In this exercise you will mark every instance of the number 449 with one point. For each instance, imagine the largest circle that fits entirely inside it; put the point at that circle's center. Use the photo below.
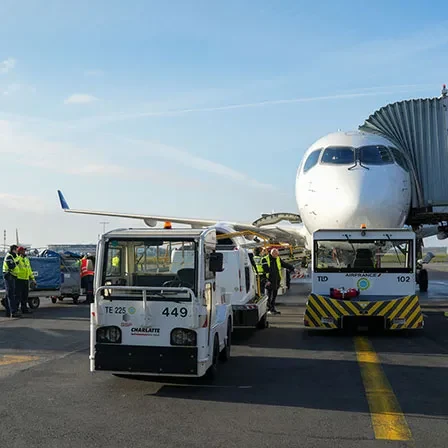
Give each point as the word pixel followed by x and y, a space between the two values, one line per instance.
pixel 176 312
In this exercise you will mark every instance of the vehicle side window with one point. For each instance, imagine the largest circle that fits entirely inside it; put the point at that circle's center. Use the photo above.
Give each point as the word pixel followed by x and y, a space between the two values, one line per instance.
pixel 399 158
pixel 208 274
pixel 312 160
pixel 114 261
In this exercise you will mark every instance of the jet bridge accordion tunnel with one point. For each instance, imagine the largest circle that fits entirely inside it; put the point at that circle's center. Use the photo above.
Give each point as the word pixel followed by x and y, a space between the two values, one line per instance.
pixel 418 128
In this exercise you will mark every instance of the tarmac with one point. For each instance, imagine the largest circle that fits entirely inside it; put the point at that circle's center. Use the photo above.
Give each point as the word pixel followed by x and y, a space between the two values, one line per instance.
pixel 284 386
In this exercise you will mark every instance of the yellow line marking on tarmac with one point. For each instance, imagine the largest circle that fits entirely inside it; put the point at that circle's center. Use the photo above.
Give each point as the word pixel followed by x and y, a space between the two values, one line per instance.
pixel 12 359
pixel 388 420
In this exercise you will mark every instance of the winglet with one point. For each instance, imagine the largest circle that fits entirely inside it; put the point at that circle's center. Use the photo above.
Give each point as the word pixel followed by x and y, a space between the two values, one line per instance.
pixel 62 200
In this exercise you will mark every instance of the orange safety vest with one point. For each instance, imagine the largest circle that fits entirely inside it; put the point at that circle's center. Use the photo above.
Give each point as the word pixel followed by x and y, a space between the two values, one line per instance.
pixel 85 267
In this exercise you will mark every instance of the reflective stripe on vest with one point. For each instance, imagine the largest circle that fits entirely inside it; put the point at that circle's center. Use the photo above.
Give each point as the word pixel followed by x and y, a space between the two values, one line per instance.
pixel 279 266
pixel 6 267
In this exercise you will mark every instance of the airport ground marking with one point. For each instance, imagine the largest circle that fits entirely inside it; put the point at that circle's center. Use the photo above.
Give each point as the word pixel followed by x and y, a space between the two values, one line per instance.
pixel 388 420
pixel 6 360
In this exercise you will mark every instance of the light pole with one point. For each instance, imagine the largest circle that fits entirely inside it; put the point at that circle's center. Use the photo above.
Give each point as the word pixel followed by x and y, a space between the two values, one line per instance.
pixel 104 223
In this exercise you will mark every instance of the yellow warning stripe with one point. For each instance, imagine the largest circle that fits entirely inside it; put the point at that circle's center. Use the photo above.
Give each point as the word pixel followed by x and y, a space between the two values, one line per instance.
pixel 407 308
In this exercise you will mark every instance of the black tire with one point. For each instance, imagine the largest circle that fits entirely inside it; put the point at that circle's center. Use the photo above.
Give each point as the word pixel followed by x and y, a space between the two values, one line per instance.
pixel 34 303
pixel 263 322
pixel 212 371
pixel 75 299
pixel 225 353
pixel 54 299
pixel 423 280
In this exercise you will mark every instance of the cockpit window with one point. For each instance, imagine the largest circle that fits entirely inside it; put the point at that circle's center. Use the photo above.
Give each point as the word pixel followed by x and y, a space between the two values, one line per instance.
pixel 338 155
pixel 311 160
pixel 399 158
pixel 375 155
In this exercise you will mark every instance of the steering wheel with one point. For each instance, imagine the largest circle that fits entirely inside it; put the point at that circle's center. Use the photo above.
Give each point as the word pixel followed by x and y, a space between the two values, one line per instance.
pixel 177 283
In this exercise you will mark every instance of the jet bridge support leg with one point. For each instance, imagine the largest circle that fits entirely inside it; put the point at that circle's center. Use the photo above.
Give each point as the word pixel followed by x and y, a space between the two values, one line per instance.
pixel 421 273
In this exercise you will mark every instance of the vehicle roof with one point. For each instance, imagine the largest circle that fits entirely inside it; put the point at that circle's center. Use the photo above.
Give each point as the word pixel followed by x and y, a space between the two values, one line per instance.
pixel 368 232
pixel 155 233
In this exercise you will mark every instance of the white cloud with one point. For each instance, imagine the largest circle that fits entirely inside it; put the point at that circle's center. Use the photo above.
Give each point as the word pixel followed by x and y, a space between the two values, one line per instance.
pixel 183 157
pixel 7 65
pixel 64 157
pixel 95 121
pixel 80 98
pixel 14 88
pixel 20 202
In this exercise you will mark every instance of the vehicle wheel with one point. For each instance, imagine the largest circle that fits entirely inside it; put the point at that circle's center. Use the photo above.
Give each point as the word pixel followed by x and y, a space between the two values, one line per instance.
pixel 60 299
pixel 423 280
pixel 75 299
pixel 212 371
pixel 263 322
pixel 34 303
pixel 225 354
pixel 54 299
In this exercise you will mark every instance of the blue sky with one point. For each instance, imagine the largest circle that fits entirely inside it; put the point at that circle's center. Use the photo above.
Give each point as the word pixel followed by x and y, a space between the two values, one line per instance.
pixel 190 108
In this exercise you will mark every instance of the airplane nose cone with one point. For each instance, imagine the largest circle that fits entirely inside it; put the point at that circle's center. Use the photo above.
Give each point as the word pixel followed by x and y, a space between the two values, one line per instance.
pixel 342 198
pixel 368 198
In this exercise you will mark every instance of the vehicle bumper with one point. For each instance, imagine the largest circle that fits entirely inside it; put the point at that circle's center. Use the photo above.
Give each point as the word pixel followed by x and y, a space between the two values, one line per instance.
pixel 397 314
pixel 146 360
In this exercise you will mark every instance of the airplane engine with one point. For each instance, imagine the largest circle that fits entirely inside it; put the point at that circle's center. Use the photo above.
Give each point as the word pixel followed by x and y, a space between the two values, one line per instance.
pixel 150 222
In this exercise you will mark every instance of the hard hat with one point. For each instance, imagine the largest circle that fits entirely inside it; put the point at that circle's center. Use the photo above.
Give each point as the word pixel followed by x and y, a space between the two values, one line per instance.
pixel 20 249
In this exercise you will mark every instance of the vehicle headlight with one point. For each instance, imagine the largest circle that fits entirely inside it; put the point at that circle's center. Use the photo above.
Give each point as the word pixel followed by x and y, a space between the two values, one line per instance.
pixel 182 336
pixel 108 335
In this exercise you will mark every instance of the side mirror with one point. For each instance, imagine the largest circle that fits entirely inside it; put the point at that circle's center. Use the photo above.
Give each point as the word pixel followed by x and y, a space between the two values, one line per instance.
pixel 428 257
pixel 216 262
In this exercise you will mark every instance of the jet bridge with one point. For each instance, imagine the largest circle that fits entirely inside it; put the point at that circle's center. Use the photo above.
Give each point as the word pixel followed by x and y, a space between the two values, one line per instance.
pixel 419 130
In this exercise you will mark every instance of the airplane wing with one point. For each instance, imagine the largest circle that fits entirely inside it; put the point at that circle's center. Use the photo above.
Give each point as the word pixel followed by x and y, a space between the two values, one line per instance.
pixel 264 226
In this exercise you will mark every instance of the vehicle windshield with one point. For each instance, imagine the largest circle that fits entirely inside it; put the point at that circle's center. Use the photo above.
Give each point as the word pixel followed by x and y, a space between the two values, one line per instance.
pixel 160 264
pixel 382 255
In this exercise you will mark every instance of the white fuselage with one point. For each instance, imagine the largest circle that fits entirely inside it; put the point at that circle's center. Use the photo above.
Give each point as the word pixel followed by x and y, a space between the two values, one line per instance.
pixel 339 192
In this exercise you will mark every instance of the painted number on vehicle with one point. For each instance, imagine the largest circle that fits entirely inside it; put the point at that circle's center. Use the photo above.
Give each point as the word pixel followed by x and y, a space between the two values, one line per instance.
pixel 176 312
pixel 404 279
pixel 115 309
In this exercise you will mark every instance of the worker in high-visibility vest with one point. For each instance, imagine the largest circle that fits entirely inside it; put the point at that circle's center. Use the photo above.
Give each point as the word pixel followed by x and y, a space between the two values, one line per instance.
pixel 116 264
pixel 272 266
pixel 10 270
pixel 259 254
pixel 87 274
pixel 25 276
pixel 258 259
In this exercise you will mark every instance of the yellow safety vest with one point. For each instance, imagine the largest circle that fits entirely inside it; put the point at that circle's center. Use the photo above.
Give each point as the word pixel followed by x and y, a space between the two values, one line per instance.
pixel 6 269
pixel 279 266
pixel 259 263
pixel 22 269
pixel 115 261
pixel 29 269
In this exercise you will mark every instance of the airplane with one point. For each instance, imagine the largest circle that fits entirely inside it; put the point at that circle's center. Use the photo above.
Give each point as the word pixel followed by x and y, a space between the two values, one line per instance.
pixel 344 180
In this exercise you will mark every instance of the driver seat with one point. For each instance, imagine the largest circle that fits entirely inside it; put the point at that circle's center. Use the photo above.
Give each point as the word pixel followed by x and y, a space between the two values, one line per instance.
pixel 363 259
pixel 186 275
